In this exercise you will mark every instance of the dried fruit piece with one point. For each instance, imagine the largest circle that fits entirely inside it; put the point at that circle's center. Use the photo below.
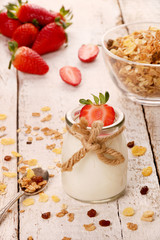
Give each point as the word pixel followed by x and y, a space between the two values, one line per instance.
pixel 147 216
pixel 55 198
pixel 36 128
pixel 57 150
pixel 28 202
pixel 132 226
pixel 138 150
pixel 32 162
pixel 30 139
pixel 7 141
pixel 39 138
pixel 36 114
pixel 46 215
pixel 66 238
pixel 3 116
pixel 128 211
pixel 7 158
pixel 5 168
pixel 16 154
pixel 62 213
pixel 47 118
pixel 130 144
pixel 30 173
pixel 50 147
pixel 22 211
pixel 10 174
pixel 144 190
pixel 89 227
pixel 70 217
pixel 92 213
pixel 43 197
pixel 104 223
pixel 22 169
pixel 147 171
pixel 45 109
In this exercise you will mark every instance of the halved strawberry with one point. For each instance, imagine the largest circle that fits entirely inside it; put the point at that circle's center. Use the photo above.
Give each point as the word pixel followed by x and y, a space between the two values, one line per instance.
pixel 25 35
pixel 87 53
pixel 95 111
pixel 8 25
pixel 70 75
pixel 27 60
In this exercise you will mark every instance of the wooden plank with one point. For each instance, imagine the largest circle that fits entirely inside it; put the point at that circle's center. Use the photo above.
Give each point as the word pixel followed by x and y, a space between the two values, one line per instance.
pixel 8 105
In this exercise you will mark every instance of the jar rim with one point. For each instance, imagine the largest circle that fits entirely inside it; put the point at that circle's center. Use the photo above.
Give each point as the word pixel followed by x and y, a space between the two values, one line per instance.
pixel 73 114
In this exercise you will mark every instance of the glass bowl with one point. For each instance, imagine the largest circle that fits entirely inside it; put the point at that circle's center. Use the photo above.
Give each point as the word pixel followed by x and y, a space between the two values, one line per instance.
pixel 140 82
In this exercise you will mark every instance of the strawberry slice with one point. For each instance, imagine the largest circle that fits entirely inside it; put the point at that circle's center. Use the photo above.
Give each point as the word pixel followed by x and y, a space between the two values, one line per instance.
pixel 98 110
pixel 87 53
pixel 27 60
pixel 70 75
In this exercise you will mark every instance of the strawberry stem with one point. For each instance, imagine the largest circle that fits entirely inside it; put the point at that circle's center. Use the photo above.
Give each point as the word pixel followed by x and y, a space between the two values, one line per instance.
pixel 102 99
pixel 13 46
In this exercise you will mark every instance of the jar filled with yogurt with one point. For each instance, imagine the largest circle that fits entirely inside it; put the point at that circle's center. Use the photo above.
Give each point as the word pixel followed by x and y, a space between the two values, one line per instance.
pixel 91 179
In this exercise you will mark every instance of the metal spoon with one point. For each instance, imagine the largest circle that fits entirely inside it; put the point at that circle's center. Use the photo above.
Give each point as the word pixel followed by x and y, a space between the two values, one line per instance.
pixel 38 172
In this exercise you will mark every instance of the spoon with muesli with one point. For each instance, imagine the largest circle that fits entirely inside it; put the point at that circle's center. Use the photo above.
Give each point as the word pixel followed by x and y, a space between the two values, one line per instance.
pixel 33 182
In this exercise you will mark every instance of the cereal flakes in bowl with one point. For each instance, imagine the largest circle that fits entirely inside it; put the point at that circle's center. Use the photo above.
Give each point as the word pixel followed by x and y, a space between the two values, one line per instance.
pixel 132 53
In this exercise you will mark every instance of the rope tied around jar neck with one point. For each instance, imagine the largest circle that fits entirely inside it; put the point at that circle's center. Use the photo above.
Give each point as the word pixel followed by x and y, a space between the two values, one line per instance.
pixel 92 142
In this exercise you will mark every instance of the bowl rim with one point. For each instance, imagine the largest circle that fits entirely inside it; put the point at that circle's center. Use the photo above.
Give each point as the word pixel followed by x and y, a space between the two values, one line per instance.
pixel 120 58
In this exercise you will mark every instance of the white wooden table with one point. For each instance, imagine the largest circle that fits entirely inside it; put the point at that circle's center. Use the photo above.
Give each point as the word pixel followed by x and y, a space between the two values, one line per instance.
pixel 21 94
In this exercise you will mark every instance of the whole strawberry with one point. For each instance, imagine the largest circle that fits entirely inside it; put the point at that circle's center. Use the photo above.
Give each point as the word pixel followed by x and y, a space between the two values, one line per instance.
pixel 25 35
pixel 27 60
pixel 98 110
pixel 8 25
pixel 49 39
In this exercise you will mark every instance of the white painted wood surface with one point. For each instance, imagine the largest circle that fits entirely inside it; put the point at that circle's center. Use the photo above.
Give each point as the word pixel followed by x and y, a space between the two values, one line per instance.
pixel 91 20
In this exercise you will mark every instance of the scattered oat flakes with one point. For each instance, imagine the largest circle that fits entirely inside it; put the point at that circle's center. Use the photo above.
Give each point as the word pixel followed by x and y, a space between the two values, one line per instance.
pixel 28 202
pixel 34 133
pixel 62 213
pixel 10 174
pixel 128 211
pixel 51 147
pixel 7 141
pixel 45 109
pixel 39 138
pixel 28 131
pixel 51 167
pixel 56 160
pixel 57 150
pixel 2 129
pixel 2 187
pixel 59 165
pixel 32 162
pixel 30 139
pixel 55 198
pixel 66 238
pixel 36 128
pixel 5 168
pixel 16 154
pixel 36 114
pixel 64 130
pixel 43 197
pixel 132 226
pixel 22 211
pixel 138 150
pixel 51 175
pixel 47 118
pixel 64 206
pixel 61 143
pixel 18 130
pixel 147 171
pixel 62 119
pixel 30 238
pixel 45 129
pixel 89 227
pixel 57 136
pixel 3 116
pixel 22 169
pixel 70 217
pixel 147 216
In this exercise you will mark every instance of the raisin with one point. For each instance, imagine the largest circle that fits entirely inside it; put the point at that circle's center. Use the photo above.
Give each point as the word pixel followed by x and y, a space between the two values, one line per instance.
pixel 46 215
pixel 37 179
pixel 104 223
pixel 28 142
pixel 109 43
pixel 92 213
pixel 7 158
pixel 144 190
pixel 130 144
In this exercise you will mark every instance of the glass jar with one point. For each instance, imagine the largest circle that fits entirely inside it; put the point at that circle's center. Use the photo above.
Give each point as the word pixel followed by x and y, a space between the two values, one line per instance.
pixel 92 180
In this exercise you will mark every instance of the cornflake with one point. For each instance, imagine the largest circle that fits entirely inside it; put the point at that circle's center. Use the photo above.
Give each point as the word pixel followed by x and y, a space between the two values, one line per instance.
pixel 50 147
pixel 28 131
pixel 10 174
pixel 147 216
pixel 22 211
pixel 2 129
pixel 62 213
pixel 70 217
pixel 132 226
pixel 57 150
pixel 2 187
pixel 43 197
pixel 55 198
pixel 47 118
pixel 66 238
pixel 62 119
pixel 45 109
pixel 7 141
pixel 36 114
pixel 36 128
pixel 5 168
pixel 30 173
pixel 28 202
pixel 128 211
pixel 22 169
pixel 3 116
pixel 147 171
pixel 138 150
pixel 89 227
pixel 32 162
pixel 16 154
pixel 30 139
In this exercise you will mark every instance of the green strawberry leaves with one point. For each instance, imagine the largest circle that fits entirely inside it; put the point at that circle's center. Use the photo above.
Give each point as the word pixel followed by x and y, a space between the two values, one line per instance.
pixel 13 46
pixel 102 99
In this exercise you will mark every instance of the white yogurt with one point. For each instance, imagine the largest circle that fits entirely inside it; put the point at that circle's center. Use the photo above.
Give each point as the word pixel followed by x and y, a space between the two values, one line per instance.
pixel 90 179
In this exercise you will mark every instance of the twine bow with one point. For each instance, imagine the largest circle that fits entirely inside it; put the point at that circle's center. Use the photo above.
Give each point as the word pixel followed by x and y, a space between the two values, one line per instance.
pixel 92 142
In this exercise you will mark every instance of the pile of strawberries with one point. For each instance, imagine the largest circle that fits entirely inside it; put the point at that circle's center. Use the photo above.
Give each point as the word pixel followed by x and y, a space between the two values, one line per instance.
pixel 33 31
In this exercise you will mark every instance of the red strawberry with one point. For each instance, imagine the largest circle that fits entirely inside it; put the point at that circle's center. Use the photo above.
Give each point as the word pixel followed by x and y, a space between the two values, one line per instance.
pixel 70 75
pixel 95 111
pixel 49 39
pixel 25 35
pixel 8 25
pixel 87 53
pixel 27 60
